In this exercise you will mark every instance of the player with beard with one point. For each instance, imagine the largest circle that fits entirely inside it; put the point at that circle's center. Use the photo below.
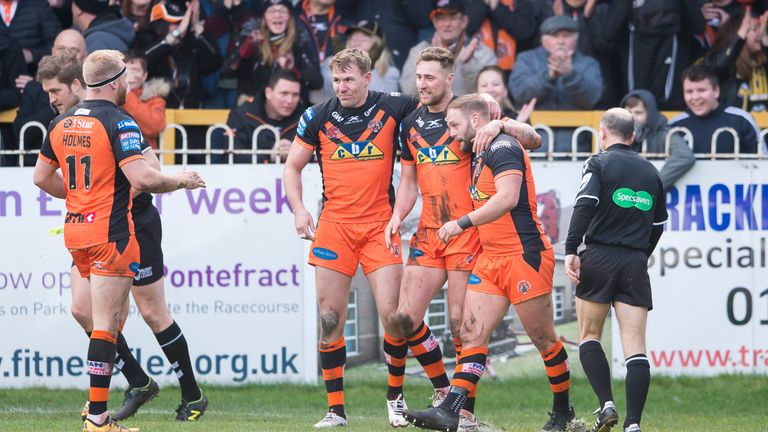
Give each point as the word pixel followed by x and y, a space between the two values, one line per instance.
pixel 433 162
pixel 101 160
pixel 515 267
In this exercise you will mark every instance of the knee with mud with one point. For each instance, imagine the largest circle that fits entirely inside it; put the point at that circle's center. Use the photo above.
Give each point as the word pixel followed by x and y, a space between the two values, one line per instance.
pixel 329 322
pixel 403 324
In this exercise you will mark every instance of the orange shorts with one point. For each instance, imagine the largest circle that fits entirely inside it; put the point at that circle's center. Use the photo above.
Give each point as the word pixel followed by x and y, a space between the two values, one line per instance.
pixel 116 259
pixel 514 277
pixel 342 246
pixel 427 250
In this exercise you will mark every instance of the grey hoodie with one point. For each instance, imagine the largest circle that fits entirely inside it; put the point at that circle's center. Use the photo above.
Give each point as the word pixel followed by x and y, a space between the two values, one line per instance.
pixel 681 157
pixel 109 31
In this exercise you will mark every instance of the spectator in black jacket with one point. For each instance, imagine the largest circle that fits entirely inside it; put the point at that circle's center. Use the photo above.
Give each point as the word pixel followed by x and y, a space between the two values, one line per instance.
pixel 323 22
pixel 11 66
pixel 705 115
pixel 102 25
pixel 35 102
pixel 278 106
pixel 655 40
pixel 178 49
pixel 34 26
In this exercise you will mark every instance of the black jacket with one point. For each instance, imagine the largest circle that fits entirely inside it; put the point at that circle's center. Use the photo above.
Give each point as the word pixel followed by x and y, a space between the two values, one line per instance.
pixel 35 106
pixel 34 27
pixel 245 119
pixel 11 66
pixel 182 64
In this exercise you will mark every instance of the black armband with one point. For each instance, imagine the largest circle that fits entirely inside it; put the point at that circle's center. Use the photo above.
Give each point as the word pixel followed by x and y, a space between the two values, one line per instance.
pixel 465 222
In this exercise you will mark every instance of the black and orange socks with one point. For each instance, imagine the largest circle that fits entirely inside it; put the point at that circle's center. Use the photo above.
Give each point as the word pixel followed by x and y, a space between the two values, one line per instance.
pixel 333 357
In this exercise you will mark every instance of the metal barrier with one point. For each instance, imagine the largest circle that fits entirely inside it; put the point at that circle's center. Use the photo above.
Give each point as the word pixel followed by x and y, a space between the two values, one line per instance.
pixel 273 153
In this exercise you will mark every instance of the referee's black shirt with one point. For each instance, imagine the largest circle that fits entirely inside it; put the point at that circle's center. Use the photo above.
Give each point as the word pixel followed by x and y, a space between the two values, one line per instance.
pixel 619 202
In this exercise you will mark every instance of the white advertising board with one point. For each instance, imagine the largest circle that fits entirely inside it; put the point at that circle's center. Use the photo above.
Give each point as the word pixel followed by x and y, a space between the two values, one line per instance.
pixel 235 282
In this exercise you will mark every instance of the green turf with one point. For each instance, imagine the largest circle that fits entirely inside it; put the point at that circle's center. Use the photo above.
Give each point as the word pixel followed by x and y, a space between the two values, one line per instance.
pixel 517 400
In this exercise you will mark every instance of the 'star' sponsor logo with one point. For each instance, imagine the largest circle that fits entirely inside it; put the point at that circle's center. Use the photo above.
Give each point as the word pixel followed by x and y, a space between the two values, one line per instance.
pixel 78 123
pixel 324 254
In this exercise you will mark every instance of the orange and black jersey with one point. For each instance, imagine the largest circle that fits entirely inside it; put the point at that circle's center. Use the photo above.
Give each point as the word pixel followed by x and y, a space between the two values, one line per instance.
pixel 91 142
pixel 441 167
pixel 518 231
pixel 356 151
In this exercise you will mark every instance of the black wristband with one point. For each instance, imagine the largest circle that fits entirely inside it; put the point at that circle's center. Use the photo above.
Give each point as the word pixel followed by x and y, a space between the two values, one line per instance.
pixel 465 222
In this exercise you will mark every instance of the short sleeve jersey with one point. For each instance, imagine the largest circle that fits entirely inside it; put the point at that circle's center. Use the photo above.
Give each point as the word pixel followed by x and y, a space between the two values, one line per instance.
pixel 356 151
pixel 91 142
pixel 518 231
pixel 629 196
pixel 442 168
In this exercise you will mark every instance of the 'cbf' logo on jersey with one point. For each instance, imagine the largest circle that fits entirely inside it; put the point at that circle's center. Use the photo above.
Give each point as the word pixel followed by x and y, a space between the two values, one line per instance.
pixel 360 150
pixel 438 155
pixel 628 198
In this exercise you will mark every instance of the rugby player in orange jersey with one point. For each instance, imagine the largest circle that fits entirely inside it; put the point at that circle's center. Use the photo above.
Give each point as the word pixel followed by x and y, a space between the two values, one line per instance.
pixel 61 76
pixel 515 266
pixel 100 162
pixel 434 163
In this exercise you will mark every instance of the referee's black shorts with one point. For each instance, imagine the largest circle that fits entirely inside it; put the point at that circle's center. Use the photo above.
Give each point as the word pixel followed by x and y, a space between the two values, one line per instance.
pixel 149 234
pixel 614 273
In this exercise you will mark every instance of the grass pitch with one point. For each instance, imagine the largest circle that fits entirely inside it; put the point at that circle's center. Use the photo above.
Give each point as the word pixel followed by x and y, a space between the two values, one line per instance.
pixel 517 400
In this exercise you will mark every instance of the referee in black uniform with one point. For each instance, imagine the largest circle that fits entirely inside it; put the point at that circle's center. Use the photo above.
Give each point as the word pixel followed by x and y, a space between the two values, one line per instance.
pixel 620 207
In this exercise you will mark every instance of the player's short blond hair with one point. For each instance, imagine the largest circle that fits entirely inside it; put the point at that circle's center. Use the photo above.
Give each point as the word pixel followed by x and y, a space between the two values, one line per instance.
pixel 101 65
pixel 440 55
pixel 471 103
pixel 345 58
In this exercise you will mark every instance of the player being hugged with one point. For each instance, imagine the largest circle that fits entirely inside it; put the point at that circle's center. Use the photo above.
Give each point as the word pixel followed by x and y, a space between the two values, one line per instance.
pixel 515 266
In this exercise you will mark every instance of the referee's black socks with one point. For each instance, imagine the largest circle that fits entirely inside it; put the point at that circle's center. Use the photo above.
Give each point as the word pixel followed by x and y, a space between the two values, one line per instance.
pixel 636 385
pixel 174 345
pixel 596 368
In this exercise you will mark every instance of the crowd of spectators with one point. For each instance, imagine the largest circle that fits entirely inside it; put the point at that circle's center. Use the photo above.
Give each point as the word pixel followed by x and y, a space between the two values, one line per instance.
pixel 248 55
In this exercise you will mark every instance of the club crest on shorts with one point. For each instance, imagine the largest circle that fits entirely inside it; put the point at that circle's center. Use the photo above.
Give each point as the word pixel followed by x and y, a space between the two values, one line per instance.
pixel 469 258
pixel 523 286
pixel 396 250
